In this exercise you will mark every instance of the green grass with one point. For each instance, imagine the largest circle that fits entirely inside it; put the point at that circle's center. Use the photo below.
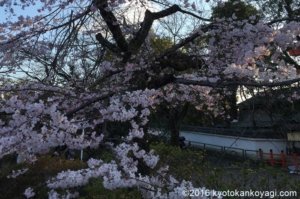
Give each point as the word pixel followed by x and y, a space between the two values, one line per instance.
pixel 95 190
pixel 224 172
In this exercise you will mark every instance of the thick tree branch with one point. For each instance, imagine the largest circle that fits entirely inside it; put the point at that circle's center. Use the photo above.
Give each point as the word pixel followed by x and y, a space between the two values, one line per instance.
pixel 194 15
pixel 167 79
pixel 112 24
pixel 171 58
pixel 88 103
pixel 181 44
pixel 288 8
pixel 179 61
pixel 283 19
pixel 156 83
pixel 141 35
pixel 290 60
pixel 222 83
pixel 104 42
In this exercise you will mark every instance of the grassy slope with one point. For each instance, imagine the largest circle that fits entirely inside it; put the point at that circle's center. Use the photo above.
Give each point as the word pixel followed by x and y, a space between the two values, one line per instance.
pixel 190 164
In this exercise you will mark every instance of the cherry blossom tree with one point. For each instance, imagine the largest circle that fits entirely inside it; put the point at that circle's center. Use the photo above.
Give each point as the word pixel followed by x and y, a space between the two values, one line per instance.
pixel 76 65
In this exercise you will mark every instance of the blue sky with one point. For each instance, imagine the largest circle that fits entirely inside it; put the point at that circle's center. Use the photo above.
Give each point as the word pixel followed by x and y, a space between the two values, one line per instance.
pixel 32 10
pixel 18 11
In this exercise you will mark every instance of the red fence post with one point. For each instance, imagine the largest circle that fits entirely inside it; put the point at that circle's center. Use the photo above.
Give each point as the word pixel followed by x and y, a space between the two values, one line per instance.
pixel 294 52
pixel 283 159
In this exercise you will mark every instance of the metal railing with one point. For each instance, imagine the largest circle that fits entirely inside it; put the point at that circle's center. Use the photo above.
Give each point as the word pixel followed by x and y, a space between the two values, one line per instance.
pixel 245 153
pixel 273 159
pixel 235 131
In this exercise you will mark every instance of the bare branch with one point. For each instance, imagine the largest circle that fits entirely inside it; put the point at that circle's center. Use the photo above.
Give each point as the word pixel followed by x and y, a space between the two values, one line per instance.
pixel 194 15
pixel 186 40
pixel 44 30
pixel 184 11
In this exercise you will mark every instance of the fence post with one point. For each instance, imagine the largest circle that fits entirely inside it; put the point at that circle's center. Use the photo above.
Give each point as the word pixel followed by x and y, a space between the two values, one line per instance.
pixel 283 159
pixel 261 154
pixel 271 158
pixel 295 160
pixel 244 153
pixel 81 152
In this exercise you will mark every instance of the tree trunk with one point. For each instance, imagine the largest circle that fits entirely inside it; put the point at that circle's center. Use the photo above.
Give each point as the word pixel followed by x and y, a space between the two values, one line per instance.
pixel 233 103
pixel 174 130
pixel 176 116
pixel 230 104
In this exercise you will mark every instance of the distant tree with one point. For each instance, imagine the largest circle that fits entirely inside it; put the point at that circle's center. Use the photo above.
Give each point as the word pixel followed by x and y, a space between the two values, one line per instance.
pixel 239 8
pixel 277 9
